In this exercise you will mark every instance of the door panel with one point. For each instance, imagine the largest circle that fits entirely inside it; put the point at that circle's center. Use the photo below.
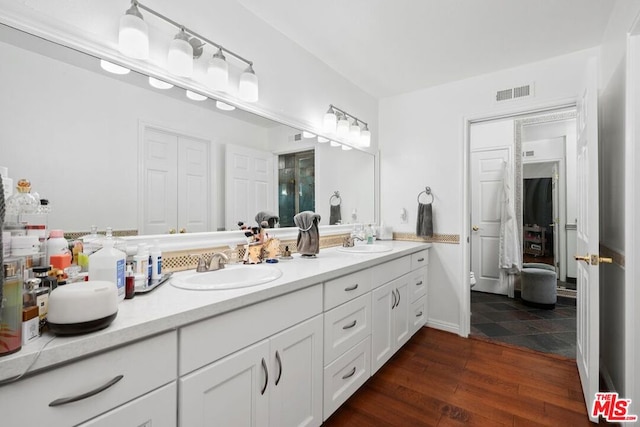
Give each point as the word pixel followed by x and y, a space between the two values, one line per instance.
pixel 587 343
pixel 486 188
pixel 193 184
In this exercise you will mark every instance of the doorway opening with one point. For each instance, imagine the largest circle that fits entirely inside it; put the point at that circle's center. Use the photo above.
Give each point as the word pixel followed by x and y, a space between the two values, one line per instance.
pixel 296 185
pixel 535 148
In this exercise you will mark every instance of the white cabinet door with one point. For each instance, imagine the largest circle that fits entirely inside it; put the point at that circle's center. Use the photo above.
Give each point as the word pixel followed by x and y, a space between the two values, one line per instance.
pixel 390 320
pixel 296 381
pixel 174 191
pixel 382 340
pixel 155 409
pixel 230 392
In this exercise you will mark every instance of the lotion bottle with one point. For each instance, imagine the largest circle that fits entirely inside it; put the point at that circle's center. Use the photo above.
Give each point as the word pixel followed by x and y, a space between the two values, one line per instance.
pixel 155 259
pixel 109 264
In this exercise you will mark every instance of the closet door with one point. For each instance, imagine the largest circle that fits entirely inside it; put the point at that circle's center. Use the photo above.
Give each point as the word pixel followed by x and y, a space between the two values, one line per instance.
pixel 175 188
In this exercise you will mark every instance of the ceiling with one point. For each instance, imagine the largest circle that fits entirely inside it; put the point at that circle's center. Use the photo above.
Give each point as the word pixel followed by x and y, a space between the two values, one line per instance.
pixel 390 47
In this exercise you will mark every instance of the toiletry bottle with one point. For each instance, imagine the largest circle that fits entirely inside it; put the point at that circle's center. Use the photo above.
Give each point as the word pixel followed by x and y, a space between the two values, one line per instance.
pixel 109 264
pixel 141 262
pixel 155 259
pixel 56 244
pixel 130 283
pixel 11 307
pixel 369 234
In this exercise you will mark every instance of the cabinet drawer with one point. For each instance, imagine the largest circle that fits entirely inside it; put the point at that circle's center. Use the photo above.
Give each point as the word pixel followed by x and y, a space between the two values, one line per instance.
pixel 142 366
pixel 417 315
pixel 345 375
pixel 389 271
pixel 417 284
pixel 345 288
pixel 346 325
pixel 155 409
pixel 209 340
pixel 419 259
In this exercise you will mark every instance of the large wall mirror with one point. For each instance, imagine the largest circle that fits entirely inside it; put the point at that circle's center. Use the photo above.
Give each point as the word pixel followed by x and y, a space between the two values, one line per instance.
pixel 111 150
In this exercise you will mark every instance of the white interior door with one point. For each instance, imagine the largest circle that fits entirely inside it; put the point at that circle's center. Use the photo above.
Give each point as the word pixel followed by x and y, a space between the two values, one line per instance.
pixel 587 344
pixel 159 189
pixel 486 188
pixel 193 185
pixel 249 184
pixel 175 190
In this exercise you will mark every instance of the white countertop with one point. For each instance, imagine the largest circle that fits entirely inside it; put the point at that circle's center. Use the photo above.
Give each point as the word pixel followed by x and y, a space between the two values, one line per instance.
pixel 168 308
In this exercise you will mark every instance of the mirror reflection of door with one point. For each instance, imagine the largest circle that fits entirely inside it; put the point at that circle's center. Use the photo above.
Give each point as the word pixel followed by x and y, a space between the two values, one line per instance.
pixel 296 185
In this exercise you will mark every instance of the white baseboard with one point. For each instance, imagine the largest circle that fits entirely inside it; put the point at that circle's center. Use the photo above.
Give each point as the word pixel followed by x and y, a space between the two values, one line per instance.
pixel 443 326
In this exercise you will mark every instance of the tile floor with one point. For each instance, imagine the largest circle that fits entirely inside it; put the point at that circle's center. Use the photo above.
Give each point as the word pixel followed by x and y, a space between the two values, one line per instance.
pixel 508 320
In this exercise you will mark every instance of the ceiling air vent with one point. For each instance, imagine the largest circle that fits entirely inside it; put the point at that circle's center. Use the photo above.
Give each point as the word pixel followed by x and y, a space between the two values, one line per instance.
pixel 514 93
pixel 295 138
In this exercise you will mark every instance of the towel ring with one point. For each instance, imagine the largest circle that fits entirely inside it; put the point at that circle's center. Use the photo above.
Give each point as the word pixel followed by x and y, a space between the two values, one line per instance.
pixel 428 192
pixel 335 196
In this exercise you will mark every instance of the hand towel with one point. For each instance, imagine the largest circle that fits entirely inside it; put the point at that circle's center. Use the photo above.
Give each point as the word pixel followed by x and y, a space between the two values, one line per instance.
pixel 334 214
pixel 267 216
pixel 424 226
pixel 308 236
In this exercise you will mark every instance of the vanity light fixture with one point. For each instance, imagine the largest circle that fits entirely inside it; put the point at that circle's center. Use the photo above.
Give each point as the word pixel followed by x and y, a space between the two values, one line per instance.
pixel 113 68
pixel 346 147
pixel 248 89
pixel 322 139
pixel 218 72
pixel 133 35
pixel 330 121
pixel 356 131
pixel 335 144
pixel 195 96
pixel 186 46
pixel 224 106
pixel 159 84
pixel 308 135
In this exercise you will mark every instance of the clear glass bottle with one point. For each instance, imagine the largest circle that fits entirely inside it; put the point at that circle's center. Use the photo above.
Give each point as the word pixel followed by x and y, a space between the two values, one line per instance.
pixel 21 202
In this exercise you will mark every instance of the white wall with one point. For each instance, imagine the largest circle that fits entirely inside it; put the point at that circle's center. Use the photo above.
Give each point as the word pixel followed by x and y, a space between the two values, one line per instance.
pixel 615 340
pixel 422 143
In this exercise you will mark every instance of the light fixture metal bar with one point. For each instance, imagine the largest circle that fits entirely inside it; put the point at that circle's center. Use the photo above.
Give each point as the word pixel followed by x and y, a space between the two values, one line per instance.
pixel 348 115
pixel 193 33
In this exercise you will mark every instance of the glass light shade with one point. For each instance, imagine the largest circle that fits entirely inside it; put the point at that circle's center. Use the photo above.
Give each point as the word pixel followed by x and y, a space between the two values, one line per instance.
pixel 322 139
pixel 346 147
pixel 248 89
pixel 330 122
pixel 342 129
pixel 113 68
pixel 365 138
pixel 218 72
pixel 180 58
pixel 354 133
pixel 195 96
pixel 159 84
pixel 133 36
pixel 334 144
pixel 306 134
pixel 224 106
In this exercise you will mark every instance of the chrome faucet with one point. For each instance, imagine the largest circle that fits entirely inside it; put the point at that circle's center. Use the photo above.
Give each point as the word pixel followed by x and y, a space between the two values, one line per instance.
pixel 350 241
pixel 217 261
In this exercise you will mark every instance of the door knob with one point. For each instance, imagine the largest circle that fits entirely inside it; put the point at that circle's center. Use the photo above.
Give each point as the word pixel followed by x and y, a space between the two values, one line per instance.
pixel 172 231
pixel 475 228
pixel 183 230
pixel 585 258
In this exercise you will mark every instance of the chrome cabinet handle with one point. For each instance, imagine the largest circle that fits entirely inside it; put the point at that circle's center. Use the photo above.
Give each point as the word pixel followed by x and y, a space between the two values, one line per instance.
pixel 398 297
pixel 350 374
pixel 351 288
pixel 393 303
pixel 350 325
pixel 279 367
pixel 266 376
pixel 65 400
pixel 420 259
pixel 419 283
pixel 419 314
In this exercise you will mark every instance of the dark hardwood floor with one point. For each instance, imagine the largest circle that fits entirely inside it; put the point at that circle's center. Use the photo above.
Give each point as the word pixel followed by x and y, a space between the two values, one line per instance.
pixel 441 379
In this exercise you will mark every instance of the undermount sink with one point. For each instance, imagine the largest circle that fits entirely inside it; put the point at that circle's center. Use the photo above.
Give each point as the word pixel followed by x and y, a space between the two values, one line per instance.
pixel 366 249
pixel 230 277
